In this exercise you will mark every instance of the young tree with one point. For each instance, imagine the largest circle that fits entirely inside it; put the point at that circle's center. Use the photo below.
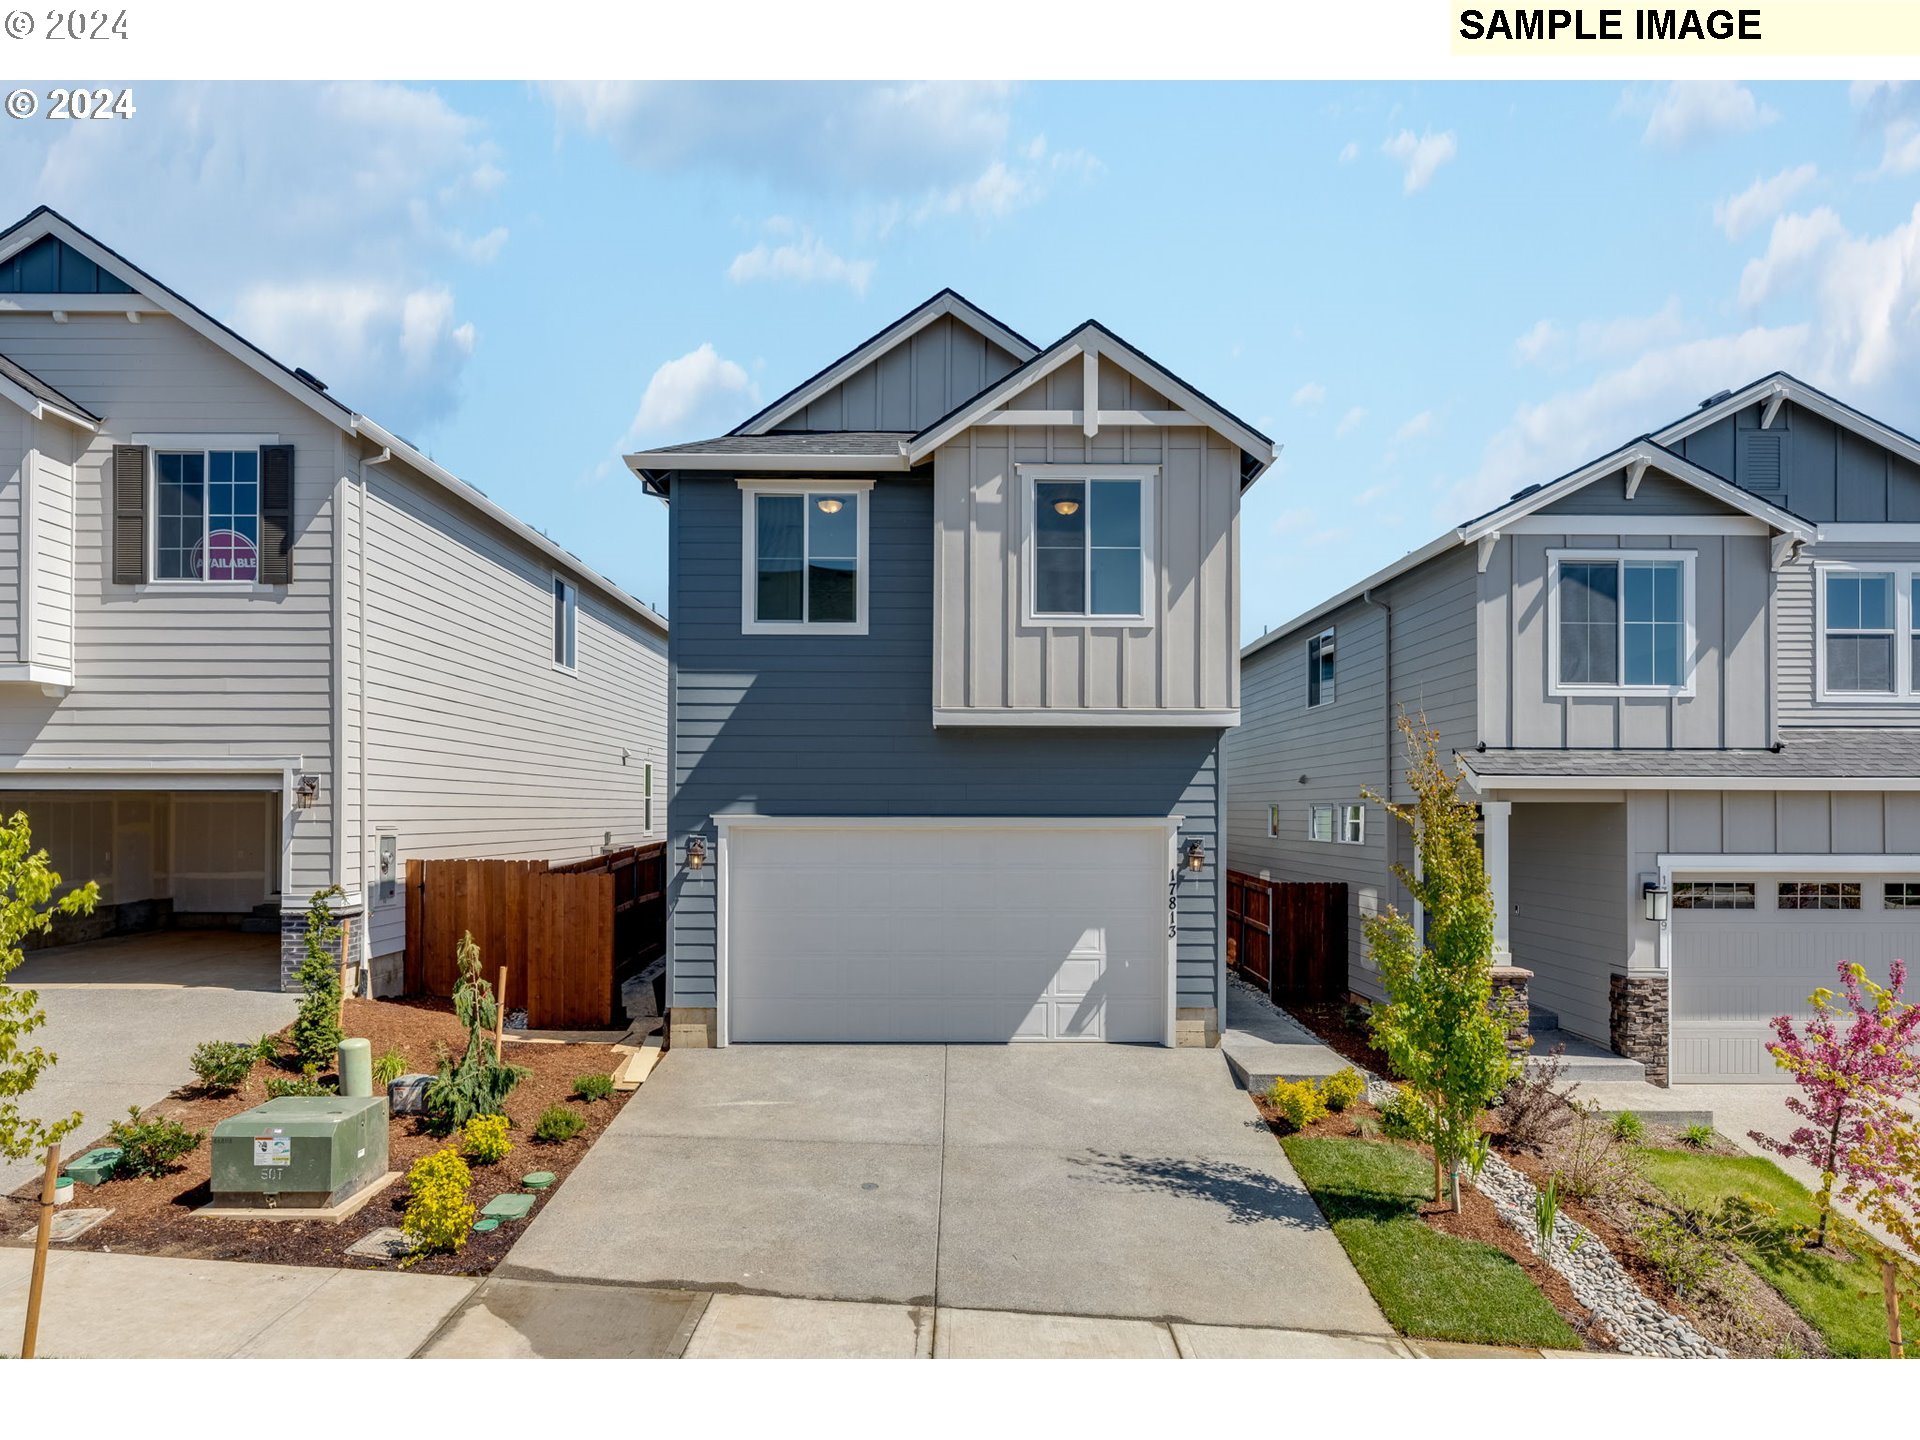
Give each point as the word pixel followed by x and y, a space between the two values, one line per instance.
pixel 316 1028
pixel 27 908
pixel 1439 1029
pixel 1880 1178
pixel 476 1083
pixel 1845 1062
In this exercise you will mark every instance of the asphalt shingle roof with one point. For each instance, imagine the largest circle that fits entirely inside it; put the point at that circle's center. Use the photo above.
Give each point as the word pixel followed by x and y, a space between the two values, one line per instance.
pixel 1805 755
pixel 40 390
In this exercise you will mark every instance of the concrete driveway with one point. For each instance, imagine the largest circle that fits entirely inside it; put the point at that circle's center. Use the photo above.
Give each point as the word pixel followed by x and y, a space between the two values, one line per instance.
pixel 1045 1179
pixel 124 1014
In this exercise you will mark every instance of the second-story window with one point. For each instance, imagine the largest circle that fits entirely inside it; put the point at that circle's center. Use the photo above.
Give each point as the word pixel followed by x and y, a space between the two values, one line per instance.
pixel 1320 669
pixel 1869 623
pixel 1622 621
pixel 566 623
pixel 1087 547
pixel 206 509
pixel 805 560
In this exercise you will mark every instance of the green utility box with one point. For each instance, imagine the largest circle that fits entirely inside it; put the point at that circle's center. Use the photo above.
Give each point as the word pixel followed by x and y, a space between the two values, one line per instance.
pixel 300 1151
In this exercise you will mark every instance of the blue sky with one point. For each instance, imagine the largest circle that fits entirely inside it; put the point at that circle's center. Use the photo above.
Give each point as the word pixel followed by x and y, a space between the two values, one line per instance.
pixel 1430 294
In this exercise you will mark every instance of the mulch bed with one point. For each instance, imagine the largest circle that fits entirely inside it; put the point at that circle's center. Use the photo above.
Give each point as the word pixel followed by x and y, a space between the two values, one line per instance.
pixel 1477 1220
pixel 155 1217
pixel 1331 1023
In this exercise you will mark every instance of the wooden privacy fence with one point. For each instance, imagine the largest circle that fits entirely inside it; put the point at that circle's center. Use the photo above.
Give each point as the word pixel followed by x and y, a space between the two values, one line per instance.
pixel 1288 937
pixel 568 934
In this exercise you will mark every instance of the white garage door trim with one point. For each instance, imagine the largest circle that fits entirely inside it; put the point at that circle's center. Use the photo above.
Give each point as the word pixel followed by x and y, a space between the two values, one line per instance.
pixel 725 825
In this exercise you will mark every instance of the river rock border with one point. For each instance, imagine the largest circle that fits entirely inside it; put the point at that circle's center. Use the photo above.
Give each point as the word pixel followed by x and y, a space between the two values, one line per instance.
pixel 1600 1282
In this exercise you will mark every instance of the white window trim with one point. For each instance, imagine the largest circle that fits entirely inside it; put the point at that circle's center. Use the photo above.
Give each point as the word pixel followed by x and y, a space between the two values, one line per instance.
pixel 646 795
pixel 1333 817
pixel 1328 692
pixel 1273 822
pixel 573 615
pixel 172 444
pixel 1906 685
pixel 1686 559
pixel 750 490
pixel 1149 478
pixel 1344 814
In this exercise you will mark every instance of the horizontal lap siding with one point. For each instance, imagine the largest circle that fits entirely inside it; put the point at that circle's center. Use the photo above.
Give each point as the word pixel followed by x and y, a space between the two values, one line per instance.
pixel 477 746
pixel 812 725
pixel 180 673
pixel 1798 618
pixel 1571 887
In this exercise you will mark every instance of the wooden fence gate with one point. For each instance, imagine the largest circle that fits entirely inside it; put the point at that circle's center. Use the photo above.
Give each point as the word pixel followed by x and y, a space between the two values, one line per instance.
pixel 1288 937
pixel 568 935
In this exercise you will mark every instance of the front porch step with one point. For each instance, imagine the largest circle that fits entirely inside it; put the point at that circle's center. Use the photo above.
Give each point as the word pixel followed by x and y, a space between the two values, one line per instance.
pixel 1262 1045
pixel 1583 1061
pixel 1540 1018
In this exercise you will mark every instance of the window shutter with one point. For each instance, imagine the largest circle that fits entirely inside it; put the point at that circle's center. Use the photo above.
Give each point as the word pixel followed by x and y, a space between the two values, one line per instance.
pixel 129 514
pixel 276 514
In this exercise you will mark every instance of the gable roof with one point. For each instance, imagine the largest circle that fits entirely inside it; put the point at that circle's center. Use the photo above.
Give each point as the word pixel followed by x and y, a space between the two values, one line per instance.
pixel 44 221
pixel 1091 338
pixel 1782 386
pixel 1639 455
pixel 37 397
pixel 946 302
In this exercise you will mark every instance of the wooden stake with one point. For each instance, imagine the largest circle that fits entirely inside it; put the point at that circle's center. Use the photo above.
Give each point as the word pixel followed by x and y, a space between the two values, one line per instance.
pixel 499 1014
pixel 1890 1286
pixel 346 949
pixel 40 1239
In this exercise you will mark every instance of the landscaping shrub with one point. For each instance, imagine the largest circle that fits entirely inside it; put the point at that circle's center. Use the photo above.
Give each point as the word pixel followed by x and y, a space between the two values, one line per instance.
pixel 439 1214
pixel 1697 1137
pixel 389 1068
pixel 1403 1117
pixel 1533 1109
pixel 592 1087
pixel 476 1083
pixel 1628 1128
pixel 1546 1211
pixel 1589 1161
pixel 484 1138
pixel 223 1065
pixel 557 1124
pixel 150 1147
pixel 307 1082
pixel 1341 1089
pixel 1297 1101
pixel 316 1029
pixel 1684 1258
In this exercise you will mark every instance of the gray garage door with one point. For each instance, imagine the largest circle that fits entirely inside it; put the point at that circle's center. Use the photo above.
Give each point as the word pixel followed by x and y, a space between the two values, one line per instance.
pixel 1749 947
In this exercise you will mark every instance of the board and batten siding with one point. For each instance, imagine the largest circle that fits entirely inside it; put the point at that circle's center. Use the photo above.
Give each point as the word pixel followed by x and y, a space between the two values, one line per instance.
pixel 1571 888
pixel 477 744
pixel 16 454
pixel 825 725
pixel 186 672
pixel 49 512
pixel 1732 675
pixel 912 385
pixel 1826 473
pixel 989 661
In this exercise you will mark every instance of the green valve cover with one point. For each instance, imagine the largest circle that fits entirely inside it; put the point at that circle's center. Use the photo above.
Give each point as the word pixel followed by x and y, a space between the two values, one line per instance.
pixel 300 1151
pixel 96 1167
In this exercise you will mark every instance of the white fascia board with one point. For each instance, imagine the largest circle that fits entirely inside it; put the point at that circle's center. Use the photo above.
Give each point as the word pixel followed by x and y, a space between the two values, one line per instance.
pixel 795 464
pixel 726 823
pixel 927 441
pixel 569 563
pixel 1821 405
pixel 1497 784
pixel 1410 561
pixel 42 409
pixel 902 330
pixel 949 717
pixel 1767 864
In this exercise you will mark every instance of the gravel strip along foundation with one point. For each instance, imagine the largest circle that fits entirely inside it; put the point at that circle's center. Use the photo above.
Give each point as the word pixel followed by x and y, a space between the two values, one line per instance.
pixel 1599 1282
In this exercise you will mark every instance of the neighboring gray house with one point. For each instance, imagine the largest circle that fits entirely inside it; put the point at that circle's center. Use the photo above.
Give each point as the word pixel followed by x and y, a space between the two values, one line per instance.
pixel 1684 681
pixel 953 653
pixel 252 644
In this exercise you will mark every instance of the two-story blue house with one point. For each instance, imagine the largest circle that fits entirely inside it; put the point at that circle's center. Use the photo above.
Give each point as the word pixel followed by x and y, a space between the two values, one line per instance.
pixel 1683 682
pixel 954 649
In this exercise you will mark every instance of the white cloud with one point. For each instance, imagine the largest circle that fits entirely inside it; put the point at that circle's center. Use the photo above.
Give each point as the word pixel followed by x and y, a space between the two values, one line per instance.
pixel 1534 346
pixel 1791 248
pixel 1761 201
pixel 804 260
pixel 1549 346
pixel 1311 393
pixel 996 192
pixel 1349 152
pixel 1414 427
pixel 700 386
pixel 1419 156
pixel 1902 155
pixel 1691 110
pixel 1350 421
pixel 1374 493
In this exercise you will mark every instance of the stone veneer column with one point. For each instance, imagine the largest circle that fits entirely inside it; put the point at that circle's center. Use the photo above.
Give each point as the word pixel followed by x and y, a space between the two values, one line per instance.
pixel 293 942
pixel 1637 1021
pixel 1511 1005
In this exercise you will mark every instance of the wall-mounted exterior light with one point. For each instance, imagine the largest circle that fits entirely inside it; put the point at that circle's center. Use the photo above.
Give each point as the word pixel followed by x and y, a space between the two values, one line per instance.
pixel 306 791
pixel 1196 856
pixel 696 852
pixel 1656 900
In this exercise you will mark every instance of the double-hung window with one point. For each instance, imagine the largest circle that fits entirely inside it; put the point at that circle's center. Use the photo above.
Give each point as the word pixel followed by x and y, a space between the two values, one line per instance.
pixel 805 548
pixel 1090 536
pixel 206 509
pixel 1320 669
pixel 1869 619
pixel 1621 621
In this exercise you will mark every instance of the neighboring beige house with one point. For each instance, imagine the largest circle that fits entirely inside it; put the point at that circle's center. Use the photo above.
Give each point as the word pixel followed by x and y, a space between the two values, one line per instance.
pixel 252 644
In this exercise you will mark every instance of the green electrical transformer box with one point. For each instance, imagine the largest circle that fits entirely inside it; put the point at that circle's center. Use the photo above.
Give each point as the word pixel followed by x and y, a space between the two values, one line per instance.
pixel 300 1151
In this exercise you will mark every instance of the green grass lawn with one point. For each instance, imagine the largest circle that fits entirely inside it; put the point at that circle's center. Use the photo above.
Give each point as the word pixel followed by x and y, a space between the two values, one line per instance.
pixel 1840 1298
pixel 1429 1285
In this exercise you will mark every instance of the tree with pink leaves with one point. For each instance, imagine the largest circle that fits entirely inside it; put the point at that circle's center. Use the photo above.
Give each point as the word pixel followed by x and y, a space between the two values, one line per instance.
pixel 1849 1062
